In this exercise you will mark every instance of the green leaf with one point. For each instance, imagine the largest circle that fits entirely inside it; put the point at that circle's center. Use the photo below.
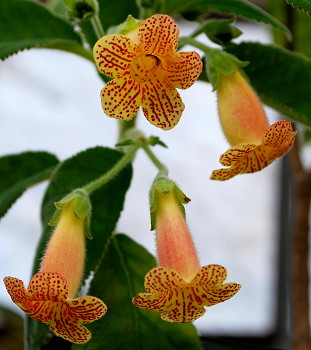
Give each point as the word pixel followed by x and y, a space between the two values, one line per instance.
pixel 302 5
pixel 107 203
pixel 21 171
pixel 281 78
pixel 116 11
pixel 26 24
pixel 119 278
pixel 236 7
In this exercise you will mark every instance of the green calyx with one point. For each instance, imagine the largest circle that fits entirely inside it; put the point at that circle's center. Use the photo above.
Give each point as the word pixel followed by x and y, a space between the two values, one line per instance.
pixel 221 63
pixel 82 9
pixel 130 25
pixel 82 208
pixel 162 186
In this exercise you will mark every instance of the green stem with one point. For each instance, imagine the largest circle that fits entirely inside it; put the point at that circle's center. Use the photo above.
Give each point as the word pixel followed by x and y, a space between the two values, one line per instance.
pixel 162 168
pixel 190 41
pixel 127 158
pixel 97 26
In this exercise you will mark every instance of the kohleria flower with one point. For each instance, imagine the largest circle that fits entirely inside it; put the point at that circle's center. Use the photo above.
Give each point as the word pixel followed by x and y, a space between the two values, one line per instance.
pixel 243 120
pixel 146 72
pixel 179 288
pixel 50 296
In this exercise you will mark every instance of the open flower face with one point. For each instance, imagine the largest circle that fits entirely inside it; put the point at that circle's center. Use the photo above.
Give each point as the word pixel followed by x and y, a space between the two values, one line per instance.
pixel 147 72
pixel 181 301
pixel 243 120
pixel 46 300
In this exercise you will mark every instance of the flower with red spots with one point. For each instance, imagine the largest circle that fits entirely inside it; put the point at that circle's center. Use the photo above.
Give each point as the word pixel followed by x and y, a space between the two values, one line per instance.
pixel 243 120
pixel 179 288
pixel 50 296
pixel 146 72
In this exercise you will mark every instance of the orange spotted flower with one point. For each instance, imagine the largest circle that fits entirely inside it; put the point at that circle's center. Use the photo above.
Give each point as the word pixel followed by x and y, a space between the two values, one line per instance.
pixel 50 296
pixel 146 72
pixel 243 120
pixel 179 288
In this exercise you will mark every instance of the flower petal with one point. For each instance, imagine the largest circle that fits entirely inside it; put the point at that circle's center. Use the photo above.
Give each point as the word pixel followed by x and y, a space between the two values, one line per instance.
pixel 47 286
pixel 183 69
pixel 156 301
pixel 280 137
pixel 87 308
pixel 219 294
pixel 183 306
pixel 210 275
pixel 121 98
pixel 161 104
pixel 113 54
pixel 249 158
pixel 160 279
pixel 73 332
pixel 16 289
pixel 158 36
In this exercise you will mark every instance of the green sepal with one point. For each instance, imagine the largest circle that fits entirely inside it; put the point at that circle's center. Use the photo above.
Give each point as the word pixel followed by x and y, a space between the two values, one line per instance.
pixel 81 9
pixel 155 140
pixel 131 24
pixel 82 209
pixel 218 63
pixel 162 186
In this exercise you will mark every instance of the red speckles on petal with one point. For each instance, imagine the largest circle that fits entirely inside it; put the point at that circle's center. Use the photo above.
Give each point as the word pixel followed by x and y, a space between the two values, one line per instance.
pixel 183 69
pixel 45 301
pixel 121 98
pixel 16 289
pixel 160 279
pixel 182 301
pixel 161 103
pixel 113 54
pixel 87 309
pixel 48 286
pixel 249 158
pixel 158 35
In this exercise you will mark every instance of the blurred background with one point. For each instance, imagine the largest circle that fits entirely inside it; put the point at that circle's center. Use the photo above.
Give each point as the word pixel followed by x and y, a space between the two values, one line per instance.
pixel 50 101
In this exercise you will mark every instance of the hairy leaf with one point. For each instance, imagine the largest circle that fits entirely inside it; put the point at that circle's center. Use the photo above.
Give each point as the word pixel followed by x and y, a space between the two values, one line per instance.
pixel 21 171
pixel 236 7
pixel 302 5
pixel 281 78
pixel 26 24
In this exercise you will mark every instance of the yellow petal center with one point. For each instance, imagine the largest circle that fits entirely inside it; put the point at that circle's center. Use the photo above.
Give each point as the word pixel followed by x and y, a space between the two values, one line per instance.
pixel 144 66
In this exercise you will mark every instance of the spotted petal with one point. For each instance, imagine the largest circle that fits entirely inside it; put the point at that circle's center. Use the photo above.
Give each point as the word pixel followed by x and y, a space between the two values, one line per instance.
pixel 47 286
pixel 87 308
pixel 158 36
pixel 113 54
pixel 183 69
pixel 249 158
pixel 161 103
pixel 210 275
pixel 280 137
pixel 121 98
pixel 156 301
pixel 16 289
pixel 73 332
pixel 160 279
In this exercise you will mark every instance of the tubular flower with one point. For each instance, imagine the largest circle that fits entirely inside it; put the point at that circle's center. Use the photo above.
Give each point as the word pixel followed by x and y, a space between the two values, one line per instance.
pixel 179 288
pixel 50 296
pixel 146 72
pixel 243 120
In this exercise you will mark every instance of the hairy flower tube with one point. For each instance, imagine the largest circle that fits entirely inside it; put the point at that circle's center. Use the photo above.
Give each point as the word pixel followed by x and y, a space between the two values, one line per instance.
pixel 146 70
pixel 243 120
pixel 179 288
pixel 50 296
